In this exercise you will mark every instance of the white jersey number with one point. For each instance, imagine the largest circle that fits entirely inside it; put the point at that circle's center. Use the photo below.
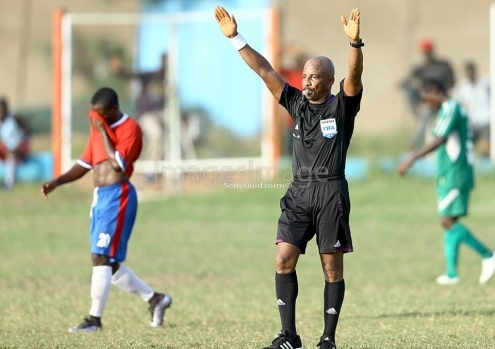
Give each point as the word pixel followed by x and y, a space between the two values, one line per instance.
pixel 104 240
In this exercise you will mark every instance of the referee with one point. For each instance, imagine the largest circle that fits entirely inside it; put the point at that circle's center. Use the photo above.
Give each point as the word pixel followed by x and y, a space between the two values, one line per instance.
pixel 317 202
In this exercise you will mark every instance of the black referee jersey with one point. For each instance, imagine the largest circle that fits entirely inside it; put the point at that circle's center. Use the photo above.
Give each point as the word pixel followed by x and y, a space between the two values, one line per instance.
pixel 321 133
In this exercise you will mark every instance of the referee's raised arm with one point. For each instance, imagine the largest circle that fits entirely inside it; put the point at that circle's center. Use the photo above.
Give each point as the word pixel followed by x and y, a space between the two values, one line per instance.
pixel 254 59
pixel 352 82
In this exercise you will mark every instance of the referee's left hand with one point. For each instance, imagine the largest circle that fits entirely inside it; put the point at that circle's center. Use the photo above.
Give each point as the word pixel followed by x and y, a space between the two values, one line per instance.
pixel 351 27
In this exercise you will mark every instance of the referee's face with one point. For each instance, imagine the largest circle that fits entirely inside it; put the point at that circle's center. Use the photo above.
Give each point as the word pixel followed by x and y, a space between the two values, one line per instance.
pixel 317 81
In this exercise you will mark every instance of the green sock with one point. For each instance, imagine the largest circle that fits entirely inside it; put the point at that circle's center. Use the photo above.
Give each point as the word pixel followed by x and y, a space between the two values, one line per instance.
pixel 468 238
pixel 451 241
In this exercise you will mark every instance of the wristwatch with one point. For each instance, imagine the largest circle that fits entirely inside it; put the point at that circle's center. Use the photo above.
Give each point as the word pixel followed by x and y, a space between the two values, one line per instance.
pixel 359 44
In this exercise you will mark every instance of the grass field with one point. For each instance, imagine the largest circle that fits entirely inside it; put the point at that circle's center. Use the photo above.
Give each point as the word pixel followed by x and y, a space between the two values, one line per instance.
pixel 214 254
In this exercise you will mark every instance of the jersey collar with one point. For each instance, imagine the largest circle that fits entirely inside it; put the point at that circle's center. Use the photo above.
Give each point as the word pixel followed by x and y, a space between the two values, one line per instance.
pixel 329 100
pixel 120 121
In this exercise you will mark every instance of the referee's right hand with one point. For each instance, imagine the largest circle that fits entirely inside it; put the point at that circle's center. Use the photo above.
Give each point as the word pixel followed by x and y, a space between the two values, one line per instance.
pixel 226 22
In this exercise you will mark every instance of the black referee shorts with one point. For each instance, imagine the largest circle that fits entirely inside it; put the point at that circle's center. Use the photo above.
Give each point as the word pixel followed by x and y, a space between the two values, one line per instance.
pixel 316 208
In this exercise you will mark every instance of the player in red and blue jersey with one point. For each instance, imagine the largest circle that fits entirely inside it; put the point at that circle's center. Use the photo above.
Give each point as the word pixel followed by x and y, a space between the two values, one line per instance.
pixel 114 145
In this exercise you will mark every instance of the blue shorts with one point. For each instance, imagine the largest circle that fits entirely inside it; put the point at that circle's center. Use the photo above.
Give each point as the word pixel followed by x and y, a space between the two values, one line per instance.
pixel 112 217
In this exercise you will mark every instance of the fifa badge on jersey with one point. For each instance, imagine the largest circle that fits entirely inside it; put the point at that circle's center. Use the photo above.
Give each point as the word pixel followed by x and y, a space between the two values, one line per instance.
pixel 328 127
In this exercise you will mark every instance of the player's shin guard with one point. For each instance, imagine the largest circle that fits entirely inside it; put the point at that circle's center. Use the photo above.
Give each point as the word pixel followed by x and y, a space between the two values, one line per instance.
pixel 286 288
pixel 126 280
pixel 101 282
pixel 334 297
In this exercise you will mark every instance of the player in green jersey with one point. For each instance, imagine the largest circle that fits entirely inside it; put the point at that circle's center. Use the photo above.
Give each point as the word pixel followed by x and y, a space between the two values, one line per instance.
pixel 454 179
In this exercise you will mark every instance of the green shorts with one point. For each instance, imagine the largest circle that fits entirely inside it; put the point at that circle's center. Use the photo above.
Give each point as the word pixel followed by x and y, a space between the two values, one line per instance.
pixel 452 202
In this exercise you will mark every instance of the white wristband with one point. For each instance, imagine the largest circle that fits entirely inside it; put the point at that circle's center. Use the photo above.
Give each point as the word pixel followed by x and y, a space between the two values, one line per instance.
pixel 238 42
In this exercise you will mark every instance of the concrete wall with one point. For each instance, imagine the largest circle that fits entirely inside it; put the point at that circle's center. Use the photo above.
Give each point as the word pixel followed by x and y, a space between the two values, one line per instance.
pixel 25 39
pixel 390 30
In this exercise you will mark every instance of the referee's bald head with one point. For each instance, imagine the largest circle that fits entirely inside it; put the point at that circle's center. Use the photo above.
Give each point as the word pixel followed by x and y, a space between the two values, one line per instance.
pixel 318 78
pixel 105 98
pixel 324 63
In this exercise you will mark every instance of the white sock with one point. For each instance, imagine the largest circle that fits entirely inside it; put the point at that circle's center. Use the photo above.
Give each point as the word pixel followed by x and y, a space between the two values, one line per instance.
pixel 126 280
pixel 101 282
pixel 9 171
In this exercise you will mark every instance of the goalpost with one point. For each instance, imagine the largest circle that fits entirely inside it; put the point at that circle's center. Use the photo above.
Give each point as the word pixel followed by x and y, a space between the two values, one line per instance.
pixel 63 84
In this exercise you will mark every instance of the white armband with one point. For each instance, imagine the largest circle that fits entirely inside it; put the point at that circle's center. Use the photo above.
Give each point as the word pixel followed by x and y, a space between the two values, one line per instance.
pixel 238 41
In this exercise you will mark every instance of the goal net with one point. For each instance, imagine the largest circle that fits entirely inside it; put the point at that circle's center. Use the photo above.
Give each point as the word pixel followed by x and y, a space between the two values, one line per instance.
pixel 200 107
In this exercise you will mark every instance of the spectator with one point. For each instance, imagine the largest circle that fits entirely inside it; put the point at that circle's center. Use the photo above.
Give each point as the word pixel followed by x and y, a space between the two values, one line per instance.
pixel 14 142
pixel 150 104
pixel 473 92
pixel 152 113
pixel 432 68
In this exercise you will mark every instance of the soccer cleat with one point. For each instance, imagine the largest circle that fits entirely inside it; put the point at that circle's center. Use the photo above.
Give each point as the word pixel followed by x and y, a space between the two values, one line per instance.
pixel 284 341
pixel 158 307
pixel 447 280
pixel 326 343
pixel 89 324
pixel 487 269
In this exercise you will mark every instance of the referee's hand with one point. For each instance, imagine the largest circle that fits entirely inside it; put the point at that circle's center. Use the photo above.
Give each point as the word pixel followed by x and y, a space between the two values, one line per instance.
pixel 226 22
pixel 351 27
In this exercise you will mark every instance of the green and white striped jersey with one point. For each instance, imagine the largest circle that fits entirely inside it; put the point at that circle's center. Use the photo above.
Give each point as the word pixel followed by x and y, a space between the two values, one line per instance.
pixel 454 158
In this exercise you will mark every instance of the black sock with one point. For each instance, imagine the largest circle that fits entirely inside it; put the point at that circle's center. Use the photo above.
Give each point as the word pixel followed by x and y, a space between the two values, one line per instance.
pixel 95 320
pixel 334 297
pixel 287 288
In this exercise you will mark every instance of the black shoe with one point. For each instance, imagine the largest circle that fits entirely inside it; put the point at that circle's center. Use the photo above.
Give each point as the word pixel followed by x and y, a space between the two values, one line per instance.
pixel 286 342
pixel 326 343
pixel 158 304
pixel 89 324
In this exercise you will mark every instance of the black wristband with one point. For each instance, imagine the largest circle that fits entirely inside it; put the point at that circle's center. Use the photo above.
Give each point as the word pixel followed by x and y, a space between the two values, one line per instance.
pixel 358 45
